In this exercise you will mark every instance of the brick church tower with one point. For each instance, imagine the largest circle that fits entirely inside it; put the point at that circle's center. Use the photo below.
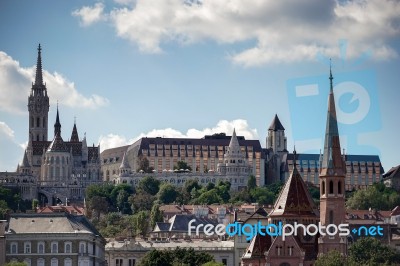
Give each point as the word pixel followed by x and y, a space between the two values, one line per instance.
pixel 332 183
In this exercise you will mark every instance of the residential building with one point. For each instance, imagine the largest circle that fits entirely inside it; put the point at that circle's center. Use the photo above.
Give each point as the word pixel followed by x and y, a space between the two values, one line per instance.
pixel 53 239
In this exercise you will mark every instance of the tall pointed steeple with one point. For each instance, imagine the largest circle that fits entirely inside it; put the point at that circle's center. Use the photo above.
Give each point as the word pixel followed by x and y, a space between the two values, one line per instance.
pixel 332 160
pixel 39 75
pixel 332 182
pixel 38 104
pixel 57 124
pixel 74 134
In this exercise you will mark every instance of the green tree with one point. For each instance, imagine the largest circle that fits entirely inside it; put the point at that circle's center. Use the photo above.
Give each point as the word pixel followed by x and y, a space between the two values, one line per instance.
pixel 149 185
pixel 182 165
pixel 155 215
pixel 251 183
pixel 156 258
pixel 142 222
pixel 3 209
pixel 144 164
pixel 141 201
pixel 122 199
pixel 98 205
pixel 167 193
pixel 377 196
pixel 370 251
pixel 262 195
pixel 35 204
pixel 213 263
pixel 15 263
pixel 208 197
pixel 332 258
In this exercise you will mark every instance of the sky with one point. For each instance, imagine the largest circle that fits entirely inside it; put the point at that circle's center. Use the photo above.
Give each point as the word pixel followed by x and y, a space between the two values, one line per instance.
pixel 126 69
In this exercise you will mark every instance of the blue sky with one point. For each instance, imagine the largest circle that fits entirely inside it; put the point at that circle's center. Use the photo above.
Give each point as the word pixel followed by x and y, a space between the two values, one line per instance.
pixel 128 69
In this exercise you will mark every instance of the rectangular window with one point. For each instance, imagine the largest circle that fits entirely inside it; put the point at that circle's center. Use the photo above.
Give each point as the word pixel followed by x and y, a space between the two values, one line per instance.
pixel 225 261
pixel 132 262
pixel 118 262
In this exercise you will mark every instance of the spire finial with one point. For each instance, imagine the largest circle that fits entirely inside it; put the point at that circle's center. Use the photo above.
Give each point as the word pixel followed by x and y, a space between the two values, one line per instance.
pixel 39 76
pixel 330 73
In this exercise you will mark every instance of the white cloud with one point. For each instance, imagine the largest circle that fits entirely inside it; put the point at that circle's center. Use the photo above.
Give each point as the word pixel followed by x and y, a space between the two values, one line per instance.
pixel 241 126
pixel 89 15
pixel 283 31
pixel 15 84
pixel 6 130
pixel 9 159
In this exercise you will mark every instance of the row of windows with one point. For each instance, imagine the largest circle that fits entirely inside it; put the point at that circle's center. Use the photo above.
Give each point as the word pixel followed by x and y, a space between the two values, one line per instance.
pixel 41 247
pixel 53 262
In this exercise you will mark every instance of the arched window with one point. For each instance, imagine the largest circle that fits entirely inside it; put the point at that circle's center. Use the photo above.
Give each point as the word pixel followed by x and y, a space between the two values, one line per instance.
pixel 37 122
pixel 331 187
pixel 40 247
pixel 339 187
pixel 32 124
pixel 323 187
pixel 331 217
pixel 40 262
pixel 37 137
pixel 67 247
pixel 67 262
pixel 27 247
pixel 82 248
pixel 27 262
pixel 54 247
pixel 44 122
pixel 14 248
pixel 54 262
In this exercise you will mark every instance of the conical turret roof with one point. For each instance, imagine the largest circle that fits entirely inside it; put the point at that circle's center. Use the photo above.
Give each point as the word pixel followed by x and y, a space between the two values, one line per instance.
pixel 25 161
pixel 74 134
pixel 276 124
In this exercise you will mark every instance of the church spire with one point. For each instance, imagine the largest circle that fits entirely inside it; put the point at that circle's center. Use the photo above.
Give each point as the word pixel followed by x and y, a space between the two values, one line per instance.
pixel 332 160
pixel 39 76
pixel 74 134
pixel 57 125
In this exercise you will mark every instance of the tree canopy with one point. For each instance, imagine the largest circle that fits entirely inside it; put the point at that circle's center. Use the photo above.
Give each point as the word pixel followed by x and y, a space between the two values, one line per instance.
pixel 377 196
pixel 178 256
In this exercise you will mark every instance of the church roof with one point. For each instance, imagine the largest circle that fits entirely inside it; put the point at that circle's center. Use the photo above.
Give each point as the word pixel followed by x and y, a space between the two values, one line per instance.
pixel 276 124
pixel 332 161
pixel 74 134
pixel 258 246
pixel 294 198
pixel 25 162
pixel 57 145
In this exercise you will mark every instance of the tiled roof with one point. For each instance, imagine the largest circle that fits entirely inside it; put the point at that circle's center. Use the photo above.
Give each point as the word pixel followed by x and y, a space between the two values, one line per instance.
pixel 294 198
pixel 258 246
pixel 183 143
pixel 49 223
pixel 394 172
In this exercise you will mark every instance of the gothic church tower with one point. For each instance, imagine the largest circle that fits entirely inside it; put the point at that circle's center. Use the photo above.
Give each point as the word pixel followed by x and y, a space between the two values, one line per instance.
pixel 38 105
pixel 332 182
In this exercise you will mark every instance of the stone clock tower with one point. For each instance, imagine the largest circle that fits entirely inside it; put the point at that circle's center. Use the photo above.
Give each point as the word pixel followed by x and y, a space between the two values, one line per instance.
pixel 38 105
